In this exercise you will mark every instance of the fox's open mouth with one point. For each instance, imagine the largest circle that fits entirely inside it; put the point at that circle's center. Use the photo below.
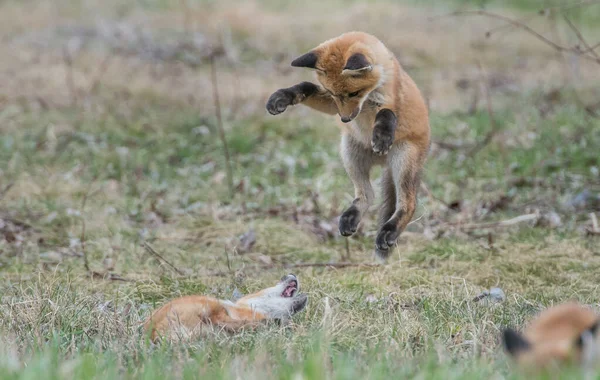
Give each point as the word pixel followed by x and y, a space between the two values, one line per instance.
pixel 291 289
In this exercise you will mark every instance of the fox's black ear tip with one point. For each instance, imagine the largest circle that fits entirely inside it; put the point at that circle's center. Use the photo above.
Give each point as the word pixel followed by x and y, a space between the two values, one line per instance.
pixel 513 341
pixel 307 60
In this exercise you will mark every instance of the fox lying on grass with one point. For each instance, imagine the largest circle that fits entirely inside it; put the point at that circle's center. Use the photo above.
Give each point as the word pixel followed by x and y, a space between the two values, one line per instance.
pixel 563 334
pixel 387 124
pixel 188 317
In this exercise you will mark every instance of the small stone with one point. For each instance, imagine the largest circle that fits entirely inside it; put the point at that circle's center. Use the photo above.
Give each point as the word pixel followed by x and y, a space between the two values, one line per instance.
pixel 236 295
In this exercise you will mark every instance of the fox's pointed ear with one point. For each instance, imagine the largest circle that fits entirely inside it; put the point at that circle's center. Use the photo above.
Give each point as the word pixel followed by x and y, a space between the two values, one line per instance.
pixel 514 342
pixel 356 64
pixel 587 336
pixel 307 60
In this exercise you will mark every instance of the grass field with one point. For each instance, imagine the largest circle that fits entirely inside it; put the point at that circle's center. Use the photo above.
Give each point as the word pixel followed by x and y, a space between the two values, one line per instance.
pixel 109 144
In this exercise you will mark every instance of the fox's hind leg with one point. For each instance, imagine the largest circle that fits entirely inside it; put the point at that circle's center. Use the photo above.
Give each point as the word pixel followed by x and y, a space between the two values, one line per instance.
pixel 403 171
pixel 358 161
pixel 388 196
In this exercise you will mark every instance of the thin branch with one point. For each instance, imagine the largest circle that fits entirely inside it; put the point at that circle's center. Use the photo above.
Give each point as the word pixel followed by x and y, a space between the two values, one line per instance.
pixel 592 48
pixel 580 37
pixel 529 30
pixel 69 75
pixel 152 251
pixel 215 86
pixel 110 276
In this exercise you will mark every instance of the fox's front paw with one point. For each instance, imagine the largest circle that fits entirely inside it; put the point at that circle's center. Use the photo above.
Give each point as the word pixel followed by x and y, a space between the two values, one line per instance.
pixel 382 140
pixel 383 131
pixel 279 101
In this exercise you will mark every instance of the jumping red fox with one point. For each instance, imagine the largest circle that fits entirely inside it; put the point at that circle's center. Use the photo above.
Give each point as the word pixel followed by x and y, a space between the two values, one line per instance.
pixel 387 124
pixel 561 334
pixel 187 317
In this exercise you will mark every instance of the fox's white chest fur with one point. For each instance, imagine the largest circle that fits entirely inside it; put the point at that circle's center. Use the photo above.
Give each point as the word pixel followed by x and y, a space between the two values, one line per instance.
pixel 361 128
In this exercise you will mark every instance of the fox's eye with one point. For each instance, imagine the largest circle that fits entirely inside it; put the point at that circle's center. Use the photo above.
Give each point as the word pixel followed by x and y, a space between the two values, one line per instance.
pixel 353 94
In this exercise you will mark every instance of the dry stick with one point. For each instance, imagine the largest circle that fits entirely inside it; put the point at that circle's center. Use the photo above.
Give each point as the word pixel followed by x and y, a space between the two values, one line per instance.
pixel 502 223
pixel 592 48
pixel 69 77
pixel 227 259
pixel 332 265
pixel 215 86
pixel 580 36
pixel 86 263
pixel 531 31
pixel 493 127
pixel 152 251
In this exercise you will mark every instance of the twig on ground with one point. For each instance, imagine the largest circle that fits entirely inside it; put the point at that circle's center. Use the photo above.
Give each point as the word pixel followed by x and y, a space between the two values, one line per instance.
pixel 215 86
pixel 152 251
pixel 344 264
pixel 109 276
pixel 502 223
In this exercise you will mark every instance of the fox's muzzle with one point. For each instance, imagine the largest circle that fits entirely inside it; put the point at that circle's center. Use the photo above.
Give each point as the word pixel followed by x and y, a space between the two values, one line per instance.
pixel 346 119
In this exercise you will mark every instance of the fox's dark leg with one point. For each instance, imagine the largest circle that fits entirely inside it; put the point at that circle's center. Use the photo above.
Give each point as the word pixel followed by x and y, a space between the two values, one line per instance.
pixel 358 161
pixel 388 196
pixel 306 93
pixel 404 163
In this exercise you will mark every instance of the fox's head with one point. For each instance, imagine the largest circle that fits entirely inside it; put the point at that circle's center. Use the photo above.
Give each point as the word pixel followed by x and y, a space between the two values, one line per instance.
pixel 278 302
pixel 349 67
pixel 564 334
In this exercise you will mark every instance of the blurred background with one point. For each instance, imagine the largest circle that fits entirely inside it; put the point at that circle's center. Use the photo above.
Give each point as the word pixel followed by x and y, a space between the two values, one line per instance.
pixel 119 99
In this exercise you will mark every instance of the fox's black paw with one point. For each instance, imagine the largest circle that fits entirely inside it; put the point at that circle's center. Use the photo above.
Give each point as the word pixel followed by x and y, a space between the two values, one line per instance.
pixel 382 141
pixel 383 131
pixel 386 239
pixel 349 221
pixel 279 101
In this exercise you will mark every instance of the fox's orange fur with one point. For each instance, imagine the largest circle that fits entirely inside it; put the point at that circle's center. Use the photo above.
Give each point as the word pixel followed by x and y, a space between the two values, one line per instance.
pixel 386 123
pixel 562 334
pixel 188 317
